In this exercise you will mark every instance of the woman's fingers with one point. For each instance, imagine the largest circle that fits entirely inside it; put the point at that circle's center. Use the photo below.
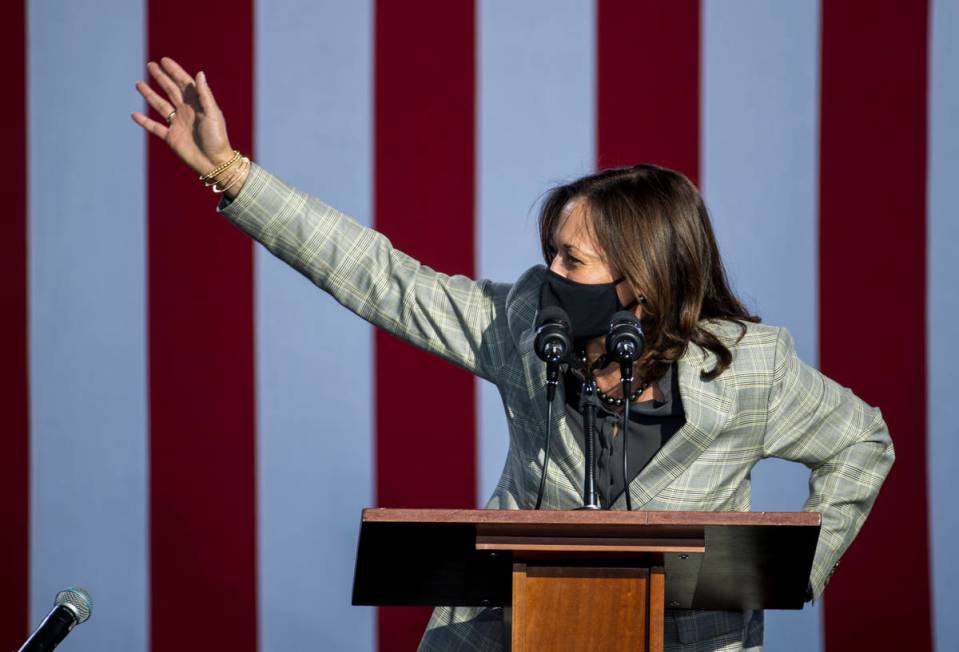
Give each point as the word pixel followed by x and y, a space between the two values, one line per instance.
pixel 207 102
pixel 177 73
pixel 152 126
pixel 168 85
pixel 156 102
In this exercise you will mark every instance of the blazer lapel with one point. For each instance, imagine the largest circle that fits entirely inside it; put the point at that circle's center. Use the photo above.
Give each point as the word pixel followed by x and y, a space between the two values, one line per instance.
pixel 707 405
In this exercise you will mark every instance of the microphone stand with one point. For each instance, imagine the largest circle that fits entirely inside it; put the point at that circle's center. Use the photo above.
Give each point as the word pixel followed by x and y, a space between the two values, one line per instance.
pixel 624 343
pixel 588 410
pixel 552 381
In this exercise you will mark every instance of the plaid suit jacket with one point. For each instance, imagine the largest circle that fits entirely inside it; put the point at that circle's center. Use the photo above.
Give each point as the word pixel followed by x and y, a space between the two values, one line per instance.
pixel 766 404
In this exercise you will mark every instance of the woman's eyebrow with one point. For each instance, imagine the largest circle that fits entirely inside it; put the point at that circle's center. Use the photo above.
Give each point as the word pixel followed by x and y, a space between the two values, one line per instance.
pixel 570 248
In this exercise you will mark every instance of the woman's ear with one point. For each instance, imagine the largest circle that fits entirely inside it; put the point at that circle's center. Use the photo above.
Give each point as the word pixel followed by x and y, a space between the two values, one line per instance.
pixel 629 295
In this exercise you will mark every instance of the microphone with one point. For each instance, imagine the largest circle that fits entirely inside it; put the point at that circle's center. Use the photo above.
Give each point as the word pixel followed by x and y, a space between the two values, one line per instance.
pixel 553 344
pixel 72 606
pixel 625 342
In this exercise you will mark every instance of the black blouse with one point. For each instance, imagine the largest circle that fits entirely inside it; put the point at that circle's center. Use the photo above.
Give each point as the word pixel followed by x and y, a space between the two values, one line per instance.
pixel 651 424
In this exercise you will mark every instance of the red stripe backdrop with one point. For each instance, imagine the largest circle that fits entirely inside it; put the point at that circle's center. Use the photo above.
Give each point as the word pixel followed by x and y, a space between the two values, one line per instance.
pixel 873 300
pixel 202 471
pixel 648 84
pixel 424 202
pixel 14 405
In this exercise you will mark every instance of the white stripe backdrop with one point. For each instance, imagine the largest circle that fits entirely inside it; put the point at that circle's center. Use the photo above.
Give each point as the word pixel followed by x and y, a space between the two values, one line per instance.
pixel 760 104
pixel 313 358
pixel 87 351
pixel 535 126
pixel 943 315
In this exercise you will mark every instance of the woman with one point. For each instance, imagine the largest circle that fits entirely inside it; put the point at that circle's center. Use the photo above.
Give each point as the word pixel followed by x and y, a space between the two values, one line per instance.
pixel 716 390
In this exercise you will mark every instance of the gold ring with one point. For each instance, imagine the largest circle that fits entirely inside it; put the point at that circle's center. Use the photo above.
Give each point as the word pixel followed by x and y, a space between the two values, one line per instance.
pixel 169 118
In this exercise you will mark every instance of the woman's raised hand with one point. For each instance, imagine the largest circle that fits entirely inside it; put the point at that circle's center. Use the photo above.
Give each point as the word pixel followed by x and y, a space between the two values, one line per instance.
pixel 195 129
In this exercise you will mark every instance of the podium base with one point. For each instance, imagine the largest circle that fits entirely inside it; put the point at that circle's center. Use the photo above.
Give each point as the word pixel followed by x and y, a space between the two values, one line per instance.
pixel 571 608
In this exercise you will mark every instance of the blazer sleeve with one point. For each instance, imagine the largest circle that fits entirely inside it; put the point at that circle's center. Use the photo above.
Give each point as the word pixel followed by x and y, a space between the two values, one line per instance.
pixel 450 316
pixel 843 441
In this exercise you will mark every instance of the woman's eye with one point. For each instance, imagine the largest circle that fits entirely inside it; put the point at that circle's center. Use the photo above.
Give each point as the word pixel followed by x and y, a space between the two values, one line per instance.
pixel 571 262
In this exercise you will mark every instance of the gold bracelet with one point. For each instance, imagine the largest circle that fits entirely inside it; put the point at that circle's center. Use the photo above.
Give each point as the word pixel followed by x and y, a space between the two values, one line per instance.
pixel 215 180
pixel 239 174
pixel 243 167
pixel 218 170
pixel 219 186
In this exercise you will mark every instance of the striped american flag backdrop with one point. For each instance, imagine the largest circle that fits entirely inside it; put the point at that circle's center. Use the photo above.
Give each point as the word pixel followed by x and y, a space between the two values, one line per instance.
pixel 190 429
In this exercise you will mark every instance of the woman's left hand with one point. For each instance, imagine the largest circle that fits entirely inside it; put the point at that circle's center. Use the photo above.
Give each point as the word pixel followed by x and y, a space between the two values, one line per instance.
pixel 196 128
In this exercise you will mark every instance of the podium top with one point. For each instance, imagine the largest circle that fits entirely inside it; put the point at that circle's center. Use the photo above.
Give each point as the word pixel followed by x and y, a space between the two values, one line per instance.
pixel 713 560
pixel 587 517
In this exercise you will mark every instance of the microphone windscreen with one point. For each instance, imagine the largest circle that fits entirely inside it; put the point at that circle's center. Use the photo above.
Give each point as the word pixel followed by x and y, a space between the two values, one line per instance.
pixel 552 314
pixel 624 316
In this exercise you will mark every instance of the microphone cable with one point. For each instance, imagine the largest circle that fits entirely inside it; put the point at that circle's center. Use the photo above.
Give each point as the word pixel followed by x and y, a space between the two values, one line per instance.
pixel 552 345
pixel 549 429
pixel 625 343
pixel 627 382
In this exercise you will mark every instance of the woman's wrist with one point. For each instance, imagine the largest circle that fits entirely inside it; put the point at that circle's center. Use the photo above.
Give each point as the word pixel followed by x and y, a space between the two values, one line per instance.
pixel 229 176
pixel 237 185
pixel 204 163
pixel 221 157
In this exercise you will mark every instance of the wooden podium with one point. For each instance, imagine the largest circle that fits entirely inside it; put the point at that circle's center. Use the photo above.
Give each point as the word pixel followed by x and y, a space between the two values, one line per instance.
pixel 585 580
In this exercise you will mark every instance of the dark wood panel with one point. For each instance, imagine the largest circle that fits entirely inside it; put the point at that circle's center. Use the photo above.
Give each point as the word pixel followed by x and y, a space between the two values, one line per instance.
pixel 751 560
pixel 428 564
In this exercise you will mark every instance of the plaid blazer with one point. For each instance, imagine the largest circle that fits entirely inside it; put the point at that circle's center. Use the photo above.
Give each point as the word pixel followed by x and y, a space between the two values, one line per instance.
pixel 766 404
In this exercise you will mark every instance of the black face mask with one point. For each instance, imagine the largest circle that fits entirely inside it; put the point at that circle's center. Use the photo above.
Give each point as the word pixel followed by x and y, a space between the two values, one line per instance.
pixel 590 306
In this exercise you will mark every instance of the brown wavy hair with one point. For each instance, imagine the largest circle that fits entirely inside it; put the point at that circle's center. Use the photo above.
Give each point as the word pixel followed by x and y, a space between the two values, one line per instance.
pixel 652 225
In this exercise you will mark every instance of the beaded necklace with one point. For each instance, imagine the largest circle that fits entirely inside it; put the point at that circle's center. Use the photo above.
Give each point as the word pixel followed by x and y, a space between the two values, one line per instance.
pixel 613 401
pixel 610 401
